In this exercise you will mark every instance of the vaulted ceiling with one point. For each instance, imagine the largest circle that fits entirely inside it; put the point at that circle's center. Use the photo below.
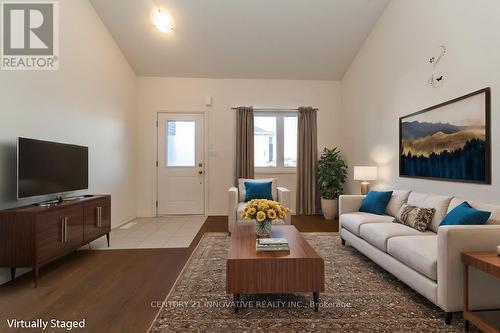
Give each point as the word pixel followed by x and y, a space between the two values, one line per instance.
pixel 267 39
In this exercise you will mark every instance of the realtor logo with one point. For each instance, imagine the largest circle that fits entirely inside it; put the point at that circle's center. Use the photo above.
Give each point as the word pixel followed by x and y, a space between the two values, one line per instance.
pixel 30 35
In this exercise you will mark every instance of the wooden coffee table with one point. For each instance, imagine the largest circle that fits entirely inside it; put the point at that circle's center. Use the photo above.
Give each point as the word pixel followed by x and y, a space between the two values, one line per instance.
pixel 301 270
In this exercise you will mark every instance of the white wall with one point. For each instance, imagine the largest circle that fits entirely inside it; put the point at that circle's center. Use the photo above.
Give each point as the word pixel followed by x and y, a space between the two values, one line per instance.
pixel 184 95
pixel 388 79
pixel 90 100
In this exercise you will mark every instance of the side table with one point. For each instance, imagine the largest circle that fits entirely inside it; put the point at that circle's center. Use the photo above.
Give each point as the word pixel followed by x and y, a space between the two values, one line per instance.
pixel 488 262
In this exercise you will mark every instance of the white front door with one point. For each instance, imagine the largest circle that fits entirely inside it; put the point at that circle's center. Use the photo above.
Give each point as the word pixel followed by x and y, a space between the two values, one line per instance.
pixel 181 175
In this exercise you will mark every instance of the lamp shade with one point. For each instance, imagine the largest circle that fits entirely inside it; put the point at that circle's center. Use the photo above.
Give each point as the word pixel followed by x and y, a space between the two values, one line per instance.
pixel 365 173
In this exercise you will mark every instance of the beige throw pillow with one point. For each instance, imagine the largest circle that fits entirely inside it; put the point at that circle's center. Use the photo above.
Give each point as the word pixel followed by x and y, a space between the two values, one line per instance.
pixel 415 217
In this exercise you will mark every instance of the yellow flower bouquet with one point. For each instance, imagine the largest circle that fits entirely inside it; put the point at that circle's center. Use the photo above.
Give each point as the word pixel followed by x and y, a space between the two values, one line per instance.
pixel 264 212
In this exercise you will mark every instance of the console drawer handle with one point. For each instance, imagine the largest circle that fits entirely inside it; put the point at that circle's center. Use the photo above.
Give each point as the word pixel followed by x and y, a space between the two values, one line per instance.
pixel 66 219
pixel 99 217
pixel 64 229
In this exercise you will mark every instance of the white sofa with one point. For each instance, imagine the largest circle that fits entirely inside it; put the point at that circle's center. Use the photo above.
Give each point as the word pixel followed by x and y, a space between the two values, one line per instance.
pixel 430 261
pixel 236 197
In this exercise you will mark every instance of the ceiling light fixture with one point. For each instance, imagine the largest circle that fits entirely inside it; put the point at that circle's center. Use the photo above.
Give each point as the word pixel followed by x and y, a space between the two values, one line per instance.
pixel 163 21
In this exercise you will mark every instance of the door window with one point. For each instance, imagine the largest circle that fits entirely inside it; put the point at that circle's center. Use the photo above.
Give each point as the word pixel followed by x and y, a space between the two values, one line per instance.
pixel 181 143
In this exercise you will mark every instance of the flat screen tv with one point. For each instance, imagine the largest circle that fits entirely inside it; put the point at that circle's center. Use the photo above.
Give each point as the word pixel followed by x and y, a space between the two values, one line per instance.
pixel 45 167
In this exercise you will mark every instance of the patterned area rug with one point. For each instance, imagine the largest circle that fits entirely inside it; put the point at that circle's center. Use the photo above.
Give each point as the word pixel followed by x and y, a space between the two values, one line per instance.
pixel 359 297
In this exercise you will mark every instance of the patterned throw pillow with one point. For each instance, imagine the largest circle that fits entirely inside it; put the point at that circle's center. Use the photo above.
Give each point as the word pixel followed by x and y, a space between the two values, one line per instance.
pixel 416 217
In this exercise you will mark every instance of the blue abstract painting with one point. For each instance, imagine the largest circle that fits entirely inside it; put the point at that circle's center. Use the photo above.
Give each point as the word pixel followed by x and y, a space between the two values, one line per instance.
pixel 449 141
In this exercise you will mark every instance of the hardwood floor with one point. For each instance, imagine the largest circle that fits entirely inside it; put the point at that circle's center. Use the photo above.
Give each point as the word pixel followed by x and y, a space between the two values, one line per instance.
pixel 315 223
pixel 128 281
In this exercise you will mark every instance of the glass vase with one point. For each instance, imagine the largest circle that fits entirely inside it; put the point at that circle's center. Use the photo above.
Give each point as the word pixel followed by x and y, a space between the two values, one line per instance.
pixel 263 229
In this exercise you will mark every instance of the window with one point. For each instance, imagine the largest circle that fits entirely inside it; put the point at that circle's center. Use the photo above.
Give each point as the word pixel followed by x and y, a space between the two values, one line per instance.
pixel 275 140
pixel 180 143
pixel 265 141
pixel 290 141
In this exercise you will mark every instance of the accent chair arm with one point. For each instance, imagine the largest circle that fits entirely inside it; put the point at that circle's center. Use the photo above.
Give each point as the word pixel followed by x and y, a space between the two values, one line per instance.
pixel 232 207
pixel 350 203
pixel 452 241
pixel 284 198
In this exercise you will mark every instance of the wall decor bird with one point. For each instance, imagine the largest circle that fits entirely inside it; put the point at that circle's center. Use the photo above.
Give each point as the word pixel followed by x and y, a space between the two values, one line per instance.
pixel 436 78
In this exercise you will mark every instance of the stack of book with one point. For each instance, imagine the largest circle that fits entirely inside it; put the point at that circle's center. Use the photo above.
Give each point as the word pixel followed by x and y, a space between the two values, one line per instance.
pixel 272 244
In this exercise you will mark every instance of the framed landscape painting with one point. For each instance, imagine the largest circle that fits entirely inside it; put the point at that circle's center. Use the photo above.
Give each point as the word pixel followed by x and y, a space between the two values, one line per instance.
pixel 449 141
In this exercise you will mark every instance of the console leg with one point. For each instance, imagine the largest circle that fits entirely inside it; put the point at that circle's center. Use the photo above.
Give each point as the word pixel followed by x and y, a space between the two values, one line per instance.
pixel 343 241
pixel 448 317
pixel 316 300
pixel 13 273
pixel 35 275
pixel 466 325
pixel 107 237
pixel 236 302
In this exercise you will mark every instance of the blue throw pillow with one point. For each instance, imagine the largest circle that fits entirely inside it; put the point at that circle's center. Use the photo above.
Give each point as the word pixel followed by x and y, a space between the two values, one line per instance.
pixel 258 190
pixel 464 214
pixel 375 202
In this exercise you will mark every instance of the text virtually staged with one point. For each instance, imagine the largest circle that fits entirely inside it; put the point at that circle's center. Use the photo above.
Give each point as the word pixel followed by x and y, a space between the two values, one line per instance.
pixel 40 324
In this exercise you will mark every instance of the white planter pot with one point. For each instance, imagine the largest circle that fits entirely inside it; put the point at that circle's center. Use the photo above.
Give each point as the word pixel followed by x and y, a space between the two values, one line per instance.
pixel 329 207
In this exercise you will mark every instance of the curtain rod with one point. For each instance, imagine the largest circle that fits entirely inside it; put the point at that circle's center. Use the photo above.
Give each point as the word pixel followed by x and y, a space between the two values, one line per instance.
pixel 274 109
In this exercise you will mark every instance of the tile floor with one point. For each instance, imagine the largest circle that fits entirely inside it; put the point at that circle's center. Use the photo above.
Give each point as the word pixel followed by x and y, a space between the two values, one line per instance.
pixel 157 232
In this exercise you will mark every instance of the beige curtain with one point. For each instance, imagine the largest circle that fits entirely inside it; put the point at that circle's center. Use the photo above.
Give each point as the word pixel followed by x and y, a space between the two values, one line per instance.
pixel 307 156
pixel 244 143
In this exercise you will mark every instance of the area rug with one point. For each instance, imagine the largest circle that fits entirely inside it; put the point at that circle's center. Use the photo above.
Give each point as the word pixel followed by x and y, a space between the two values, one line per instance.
pixel 359 297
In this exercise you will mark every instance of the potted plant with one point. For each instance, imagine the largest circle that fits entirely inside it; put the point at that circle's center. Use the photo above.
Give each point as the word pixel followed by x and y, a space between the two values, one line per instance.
pixel 331 173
